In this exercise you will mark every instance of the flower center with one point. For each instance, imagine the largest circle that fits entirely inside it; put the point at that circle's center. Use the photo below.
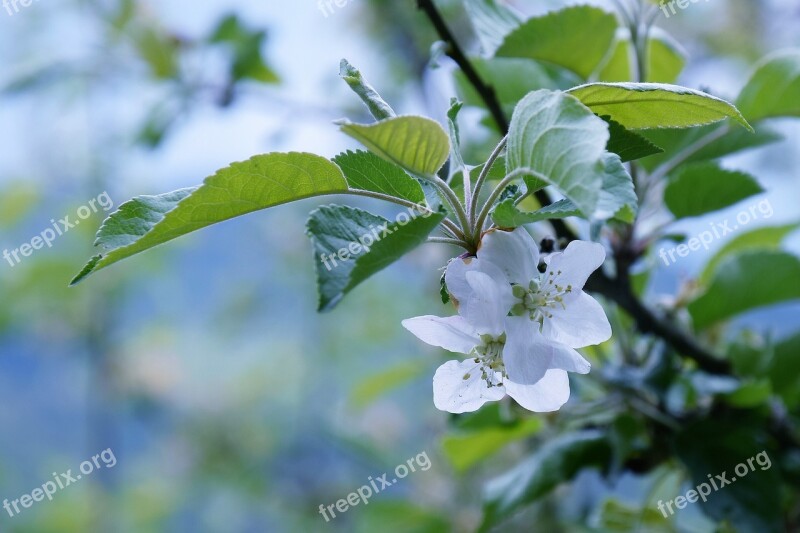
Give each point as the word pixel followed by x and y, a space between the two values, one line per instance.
pixel 541 295
pixel 489 354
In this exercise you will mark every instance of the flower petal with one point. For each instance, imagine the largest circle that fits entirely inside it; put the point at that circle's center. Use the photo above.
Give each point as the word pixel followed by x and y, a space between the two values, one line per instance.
pixel 574 265
pixel 488 305
pixel 515 252
pixel 581 322
pixel 456 276
pixel 451 333
pixel 546 395
pixel 527 355
pixel 459 388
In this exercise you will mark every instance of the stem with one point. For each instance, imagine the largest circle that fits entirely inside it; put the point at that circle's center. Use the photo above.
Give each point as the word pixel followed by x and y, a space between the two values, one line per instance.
pixel 444 240
pixel 449 224
pixel 454 202
pixel 688 152
pixel 467 192
pixel 487 207
pixel 485 174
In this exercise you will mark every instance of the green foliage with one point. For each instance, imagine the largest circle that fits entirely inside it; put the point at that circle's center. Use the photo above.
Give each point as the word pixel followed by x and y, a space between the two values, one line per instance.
pixel 506 214
pixel 258 183
pixel 665 56
pixel 628 145
pixel 369 172
pixel 370 244
pixel 766 275
pixel 774 88
pixel 417 144
pixel 705 187
pixel 575 38
pixel 465 449
pixel 642 106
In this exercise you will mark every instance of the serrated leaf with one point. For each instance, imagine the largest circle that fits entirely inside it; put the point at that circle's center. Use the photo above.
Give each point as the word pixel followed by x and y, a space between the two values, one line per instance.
pixel 576 38
pixel 369 172
pixel 557 461
pixel 705 187
pixel 377 106
pixel 747 281
pixel 628 145
pixel 666 58
pixel 618 197
pixel 769 238
pixel 774 88
pixel 417 144
pixel 558 139
pixel 640 106
pixel 258 183
pixel 465 450
pixel 350 245
pixel 507 215
pixel 492 21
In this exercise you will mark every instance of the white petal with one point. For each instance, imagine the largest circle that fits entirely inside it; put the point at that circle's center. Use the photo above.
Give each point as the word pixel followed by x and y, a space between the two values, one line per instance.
pixel 516 253
pixel 455 394
pixel 546 395
pixel 576 263
pixel 456 276
pixel 526 355
pixel 452 333
pixel 581 322
pixel 488 305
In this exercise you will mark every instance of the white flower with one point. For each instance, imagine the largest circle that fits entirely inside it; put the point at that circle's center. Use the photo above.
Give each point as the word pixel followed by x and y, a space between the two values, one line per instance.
pixel 554 301
pixel 505 355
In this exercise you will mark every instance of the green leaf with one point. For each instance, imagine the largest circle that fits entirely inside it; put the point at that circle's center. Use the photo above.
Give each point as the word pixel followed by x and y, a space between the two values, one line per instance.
pixel 640 106
pixel 377 106
pixel 705 143
pixel 247 61
pixel 557 461
pixel 456 160
pixel 576 38
pixel 784 370
pixel 350 245
pixel 774 88
pixel 507 215
pixel 382 383
pixel 492 22
pixel 711 447
pixel 666 58
pixel 768 238
pixel 554 137
pixel 705 187
pixel 398 516
pixel 465 450
pixel 369 172
pixel 417 144
pixel 628 145
pixel 258 183
pixel 618 197
pixel 744 282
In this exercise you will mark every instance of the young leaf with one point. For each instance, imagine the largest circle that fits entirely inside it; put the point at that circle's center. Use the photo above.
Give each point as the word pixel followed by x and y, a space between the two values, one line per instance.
pixel 507 215
pixel 417 144
pixel 369 172
pixel 466 449
pixel 576 38
pixel 350 245
pixel 376 105
pixel 639 106
pixel 628 145
pixel 558 139
pixel 618 198
pixel 747 281
pixel 774 88
pixel 705 187
pixel 557 461
pixel 258 183
pixel 492 22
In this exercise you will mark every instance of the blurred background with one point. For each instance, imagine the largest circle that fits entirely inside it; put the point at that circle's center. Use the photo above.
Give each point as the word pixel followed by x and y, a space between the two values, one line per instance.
pixel 229 403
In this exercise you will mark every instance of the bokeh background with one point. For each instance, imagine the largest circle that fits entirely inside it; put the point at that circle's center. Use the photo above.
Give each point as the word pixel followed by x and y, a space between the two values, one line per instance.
pixel 230 404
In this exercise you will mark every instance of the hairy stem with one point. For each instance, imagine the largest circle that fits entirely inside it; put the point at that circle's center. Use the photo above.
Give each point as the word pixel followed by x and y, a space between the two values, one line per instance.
pixel 485 174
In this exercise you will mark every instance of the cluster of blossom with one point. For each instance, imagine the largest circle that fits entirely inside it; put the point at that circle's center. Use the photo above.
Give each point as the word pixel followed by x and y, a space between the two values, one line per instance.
pixel 519 326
